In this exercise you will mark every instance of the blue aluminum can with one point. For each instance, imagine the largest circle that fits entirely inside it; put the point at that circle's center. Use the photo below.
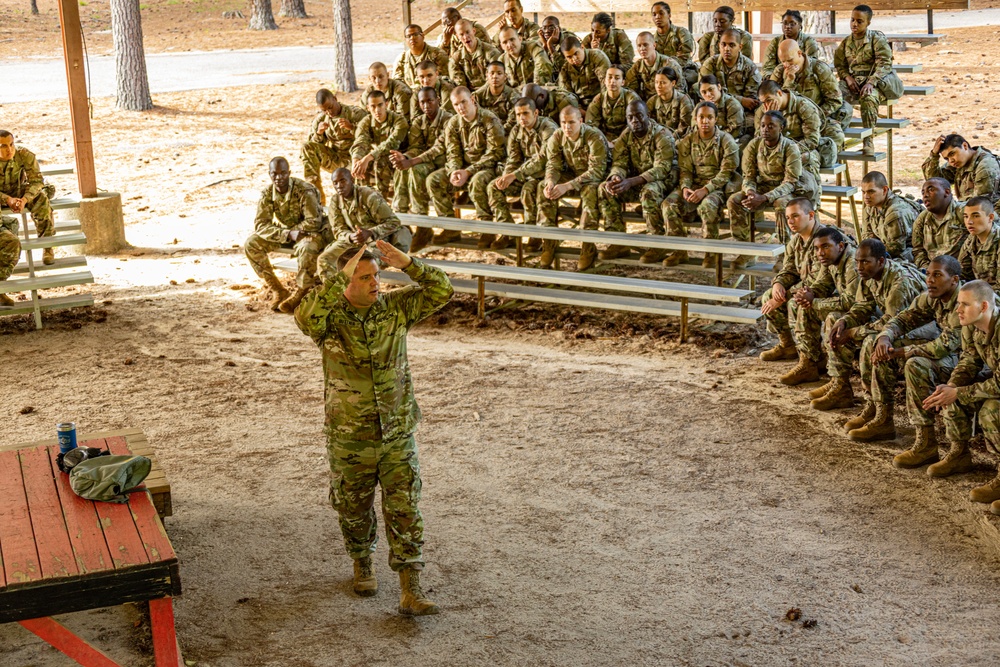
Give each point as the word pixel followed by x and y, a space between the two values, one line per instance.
pixel 66 433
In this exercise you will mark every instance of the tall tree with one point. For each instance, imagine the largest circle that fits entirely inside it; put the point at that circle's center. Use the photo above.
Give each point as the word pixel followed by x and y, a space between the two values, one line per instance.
pixel 262 17
pixel 294 9
pixel 343 47
pixel 132 82
pixel 34 7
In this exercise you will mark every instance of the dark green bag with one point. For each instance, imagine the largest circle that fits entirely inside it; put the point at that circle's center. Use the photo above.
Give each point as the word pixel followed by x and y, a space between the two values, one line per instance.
pixel 109 478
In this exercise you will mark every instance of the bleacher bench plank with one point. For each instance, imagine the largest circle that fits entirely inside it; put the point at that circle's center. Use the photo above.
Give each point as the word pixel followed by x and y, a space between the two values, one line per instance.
pixel 908 69
pixel 884 123
pixel 839 190
pixel 60 263
pixel 838 168
pixel 858 156
pixel 921 91
pixel 49 281
pixel 858 132
pixel 57 169
pixel 57 204
pixel 642 6
pixel 76 238
pixel 60 226
pixel 56 303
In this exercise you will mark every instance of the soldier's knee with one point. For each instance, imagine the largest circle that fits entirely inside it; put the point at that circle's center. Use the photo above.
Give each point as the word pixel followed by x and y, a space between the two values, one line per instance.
pixel 253 245
pixel 989 416
pixel 917 367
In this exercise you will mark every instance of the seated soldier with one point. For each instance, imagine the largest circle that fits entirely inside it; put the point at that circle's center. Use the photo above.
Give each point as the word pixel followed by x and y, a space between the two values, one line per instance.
pixel 397 94
pixel 576 159
pixel 611 40
pixel 330 139
pixel 417 51
pixel 709 161
pixel 731 117
pixel 607 111
pixel 791 31
pixel 803 124
pixel 643 169
pixel 583 71
pixel 887 216
pixel 772 176
pixel 669 107
pixel 800 269
pixel 379 133
pixel 450 41
pixel 813 78
pixel 427 75
pixel 549 101
pixel 22 188
pixel 980 255
pixel 513 17
pixel 289 215
pixel 640 78
pixel 922 342
pixel 886 287
pixel 722 20
pixel 468 63
pixel 674 41
pixel 862 61
pixel 550 39
pixel 474 146
pixel 10 252
pixel 524 61
pixel 972 394
pixel 358 216
pixel 973 170
pixel 424 154
pixel 524 169
pixel 737 74
pixel 496 96
pixel 940 228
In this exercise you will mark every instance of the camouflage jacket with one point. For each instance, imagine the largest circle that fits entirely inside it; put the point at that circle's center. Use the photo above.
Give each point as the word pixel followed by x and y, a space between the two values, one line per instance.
pixel 652 156
pixel 731 117
pixel 816 81
pixel 406 65
pixel 892 224
pixel 296 210
pixel 800 263
pixel 397 98
pixel 528 32
pixel 558 61
pixel 586 158
pixel 20 175
pixel 979 350
pixel 532 66
pixel 981 259
pixel 616 46
pixel 742 79
pixel 808 46
pixel 674 114
pixel 558 100
pixel 587 80
pixel 708 44
pixel 475 145
pixel 803 122
pixel 711 164
pixel 608 115
pixel 427 138
pixel 377 139
pixel 677 43
pixel 367 384
pixel 443 87
pixel 896 289
pixel 332 137
pixel 933 237
pixel 526 149
pixel 366 209
pixel 501 105
pixel 455 45
pixel 925 310
pixel 469 68
pixel 640 77
pixel 979 178
pixel 10 224
pixel 835 286
pixel 865 59
pixel 772 172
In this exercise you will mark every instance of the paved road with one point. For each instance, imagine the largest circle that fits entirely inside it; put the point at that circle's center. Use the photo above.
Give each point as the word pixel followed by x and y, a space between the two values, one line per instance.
pixel 45 78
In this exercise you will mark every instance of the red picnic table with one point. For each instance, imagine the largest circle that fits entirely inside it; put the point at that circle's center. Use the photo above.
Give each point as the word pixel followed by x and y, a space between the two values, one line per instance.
pixel 60 553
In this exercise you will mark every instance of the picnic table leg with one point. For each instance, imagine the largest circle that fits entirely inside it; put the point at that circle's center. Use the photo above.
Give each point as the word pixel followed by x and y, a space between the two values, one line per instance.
pixel 56 635
pixel 684 320
pixel 161 620
pixel 481 297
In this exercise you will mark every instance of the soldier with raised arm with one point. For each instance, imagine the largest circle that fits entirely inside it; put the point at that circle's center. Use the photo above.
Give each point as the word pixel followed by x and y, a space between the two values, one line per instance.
pixel 611 40
pixel 513 17
pixel 813 78
pixel 330 139
pixel 450 41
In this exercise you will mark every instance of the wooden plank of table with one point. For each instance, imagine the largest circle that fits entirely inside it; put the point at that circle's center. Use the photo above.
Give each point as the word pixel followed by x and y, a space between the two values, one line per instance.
pixel 154 536
pixel 55 553
pixel 83 525
pixel 124 541
pixel 17 539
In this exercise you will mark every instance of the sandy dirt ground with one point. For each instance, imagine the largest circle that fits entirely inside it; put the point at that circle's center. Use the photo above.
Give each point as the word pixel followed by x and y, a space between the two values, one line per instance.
pixel 594 493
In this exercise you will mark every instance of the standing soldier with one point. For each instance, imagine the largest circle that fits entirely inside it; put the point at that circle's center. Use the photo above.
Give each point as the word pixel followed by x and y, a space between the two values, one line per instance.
pixel 397 94
pixel 980 255
pixel 550 38
pixel 643 169
pixel 469 62
pixel 803 124
pixel 288 215
pixel 736 73
pixel 731 118
pixel 813 78
pixel 668 106
pixel 709 161
pixel 640 77
pixel 722 20
pixel 607 111
pixel 424 154
pixel 940 229
pixel 576 159
pixel 791 30
pixel 513 17
pixel 330 139
pixel 22 188
pixel 427 75
pixel 887 216
pixel 10 252
pixel 973 170
pixel 496 96
pixel 674 41
pixel 379 133
pixel 549 101
pixel 612 41
pixel 417 51
pixel 371 413
pixel 583 72
pixel 524 62
pixel 450 41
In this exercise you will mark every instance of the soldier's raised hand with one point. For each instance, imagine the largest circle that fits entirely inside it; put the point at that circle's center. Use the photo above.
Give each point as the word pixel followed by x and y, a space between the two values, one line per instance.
pixel 392 255
pixel 352 263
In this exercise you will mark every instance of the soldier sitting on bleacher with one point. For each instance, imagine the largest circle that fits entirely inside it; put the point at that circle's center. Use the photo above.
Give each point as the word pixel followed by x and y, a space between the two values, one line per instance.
pixel 640 78
pixel 887 216
pixel 10 252
pixel 23 189
pixel 513 17
pixel 674 41
pixel 613 41
pixel 722 20
pixel 730 118
pixel 450 41
pixel 813 78
pixel 524 61
pixel 973 170
pixel 791 29
pixel 397 94
pixel 330 139
pixel 670 107
pixel 803 123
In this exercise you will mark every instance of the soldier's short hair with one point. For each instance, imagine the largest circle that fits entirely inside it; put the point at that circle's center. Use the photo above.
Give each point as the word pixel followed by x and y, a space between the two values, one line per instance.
pixel 707 105
pixel 496 63
pixel 661 4
pixel 350 253
pixel 427 64
pixel 644 33
pixel 709 80
pixel 793 13
pixel 876 178
pixel 953 141
pixel 951 265
pixel 604 19
pixel 980 289
pixel 732 32
pixel 6 133
pixel 516 2
pixel 525 102
pixel 804 204
pixel 832 232
pixel 940 182
pixel 866 10
pixel 376 66
pixel 769 87
pixel 875 248
pixel 669 72
pixel 413 25
pixel 428 89
pixel 569 42
pixel 982 203
pixel 323 95
pixel 464 22
pixel 616 66
pixel 375 94
pixel 728 11
pixel 778 116
pixel 555 19
pixel 273 164
pixel 507 28
pixel 460 90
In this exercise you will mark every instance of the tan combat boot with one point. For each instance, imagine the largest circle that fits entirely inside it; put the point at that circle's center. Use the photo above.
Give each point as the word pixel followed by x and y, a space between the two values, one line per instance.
pixel 421 239
pixel 278 291
pixel 867 413
pixel 318 184
pixel 412 601
pixel 840 395
pixel 957 460
pixel 806 370
pixel 820 392
pixel 923 451
pixel 988 492
pixel 995 507
pixel 533 245
pixel 588 253
pixel 868 146
pixel 785 349
pixel 292 302
pixel 48 256
pixel 485 241
pixel 740 263
pixel 879 427
pixel 365 583
pixel 549 248
pixel 502 243
pixel 5 300
pixel 445 237
pixel 708 261
pixel 652 256
pixel 615 252
pixel 675 258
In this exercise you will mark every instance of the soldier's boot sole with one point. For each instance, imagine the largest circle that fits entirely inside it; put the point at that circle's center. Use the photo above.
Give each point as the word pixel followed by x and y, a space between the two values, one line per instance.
pixel 820 391
pixel 872 432
pixel 987 493
pixel 995 507
pixel 485 241
pixel 834 400
pixel 365 584
pixel 914 459
pixel 952 465
pixel 421 239
pixel 802 373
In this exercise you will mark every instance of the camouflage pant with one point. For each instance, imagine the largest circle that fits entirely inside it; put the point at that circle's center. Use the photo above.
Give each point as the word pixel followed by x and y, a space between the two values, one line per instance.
pixel 10 252
pixel 804 323
pixel 835 133
pixel 379 176
pixel 958 422
pixel 441 191
pixel 529 200
pixel 869 103
pixel 709 210
pixel 317 157
pixel 548 209
pixel 880 379
pixel 740 218
pixel 922 375
pixel 840 361
pixel 410 187
pixel 356 468
pixel 650 197
pixel 41 212
pixel 306 251
pixel 326 264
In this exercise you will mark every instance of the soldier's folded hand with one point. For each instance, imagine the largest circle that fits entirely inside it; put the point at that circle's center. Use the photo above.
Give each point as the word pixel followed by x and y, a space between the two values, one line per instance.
pixel 882 351
pixel 838 334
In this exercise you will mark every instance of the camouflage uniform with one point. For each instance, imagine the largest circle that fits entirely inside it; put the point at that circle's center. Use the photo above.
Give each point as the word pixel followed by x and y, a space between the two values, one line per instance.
pixel 332 149
pixel 397 98
pixel 277 215
pixel 455 45
pixel 469 68
pixel 803 124
pixel 526 159
pixel 708 44
pixel 652 157
pixel 583 162
pixel 807 45
pixel 21 177
pixel 371 413
pixel 366 209
pixel 817 82
pixel 528 32
pixel 608 115
pixel 981 259
pixel 732 119
pixel 587 80
pixel 616 46
pixel 800 268
pixel 558 61
pixel 406 65
pixel 712 164
pixel 477 146
pixel 558 100
pixel 532 66
pixel 641 76
pixel 979 178
pixel 377 139
pixel 678 43
pixel 740 80
pixel 892 224
pixel 866 59
pixel 443 87
pixel 501 105
pixel 933 237
pixel 675 115
pixel 835 287
pixel 979 352
pixel 426 142
pixel 775 173
pixel 10 245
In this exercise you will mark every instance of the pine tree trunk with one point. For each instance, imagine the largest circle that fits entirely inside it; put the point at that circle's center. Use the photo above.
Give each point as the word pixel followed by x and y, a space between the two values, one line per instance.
pixel 343 47
pixel 702 24
pixel 294 9
pixel 130 58
pixel 34 7
pixel 818 23
pixel 262 17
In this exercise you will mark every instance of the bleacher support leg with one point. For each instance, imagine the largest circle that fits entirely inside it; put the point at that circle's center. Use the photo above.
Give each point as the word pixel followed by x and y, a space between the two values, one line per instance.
pixel 888 146
pixel 718 270
pixel 684 320
pixel 29 255
pixel 853 204
pixel 840 205
pixel 519 242
pixel 481 297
